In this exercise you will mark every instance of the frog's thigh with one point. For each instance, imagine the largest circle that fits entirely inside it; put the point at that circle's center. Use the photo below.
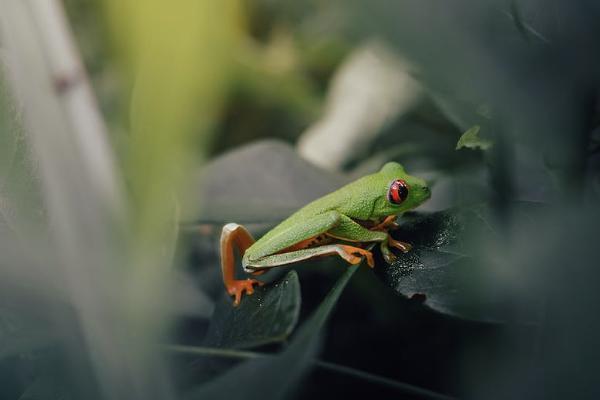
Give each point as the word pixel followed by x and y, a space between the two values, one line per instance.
pixel 276 260
pixel 349 230
pixel 292 234
pixel 273 244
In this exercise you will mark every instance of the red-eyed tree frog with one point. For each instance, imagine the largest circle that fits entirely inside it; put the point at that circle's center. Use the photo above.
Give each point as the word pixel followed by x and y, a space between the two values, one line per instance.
pixel 343 222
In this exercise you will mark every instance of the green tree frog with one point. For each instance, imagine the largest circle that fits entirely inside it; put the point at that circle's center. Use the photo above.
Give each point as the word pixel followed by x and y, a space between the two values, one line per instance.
pixel 343 222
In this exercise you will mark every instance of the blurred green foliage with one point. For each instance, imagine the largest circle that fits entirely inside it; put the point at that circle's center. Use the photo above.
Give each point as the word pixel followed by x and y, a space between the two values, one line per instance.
pixel 499 297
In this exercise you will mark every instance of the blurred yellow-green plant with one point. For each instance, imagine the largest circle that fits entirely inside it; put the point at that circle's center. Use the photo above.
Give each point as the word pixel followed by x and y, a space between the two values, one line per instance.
pixel 176 62
pixel 177 59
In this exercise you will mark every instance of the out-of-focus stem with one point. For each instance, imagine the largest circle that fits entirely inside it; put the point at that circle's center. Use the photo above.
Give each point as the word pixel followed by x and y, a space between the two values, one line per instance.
pixel 50 80
pixel 81 190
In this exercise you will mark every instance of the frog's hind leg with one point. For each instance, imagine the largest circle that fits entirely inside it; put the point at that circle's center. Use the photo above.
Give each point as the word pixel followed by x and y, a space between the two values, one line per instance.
pixel 351 254
pixel 348 253
pixel 234 234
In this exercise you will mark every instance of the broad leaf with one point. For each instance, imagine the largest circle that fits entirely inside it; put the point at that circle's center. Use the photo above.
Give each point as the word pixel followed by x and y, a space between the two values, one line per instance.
pixel 262 182
pixel 446 268
pixel 269 315
pixel 273 378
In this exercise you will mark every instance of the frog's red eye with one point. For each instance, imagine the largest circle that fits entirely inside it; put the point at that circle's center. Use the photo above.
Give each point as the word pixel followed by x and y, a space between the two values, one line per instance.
pixel 398 191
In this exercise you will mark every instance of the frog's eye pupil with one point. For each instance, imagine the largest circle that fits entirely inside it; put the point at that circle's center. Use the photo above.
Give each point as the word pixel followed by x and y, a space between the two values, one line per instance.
pixel 398 191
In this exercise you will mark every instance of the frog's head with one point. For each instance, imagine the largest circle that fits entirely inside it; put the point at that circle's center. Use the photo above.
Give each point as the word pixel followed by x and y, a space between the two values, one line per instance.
pixel 399 192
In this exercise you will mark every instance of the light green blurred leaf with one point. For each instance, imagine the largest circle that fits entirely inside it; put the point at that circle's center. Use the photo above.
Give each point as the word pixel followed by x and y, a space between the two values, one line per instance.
pixel 471 140
pixel 177 59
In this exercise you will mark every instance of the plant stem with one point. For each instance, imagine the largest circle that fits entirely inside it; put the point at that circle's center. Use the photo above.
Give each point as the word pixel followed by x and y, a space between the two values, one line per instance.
pixel 405 388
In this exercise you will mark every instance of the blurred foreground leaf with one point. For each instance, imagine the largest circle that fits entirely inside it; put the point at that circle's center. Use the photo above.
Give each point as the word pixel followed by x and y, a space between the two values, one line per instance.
pixel 447 269
pixel 19 335
pixel 46 388
pixel 269 315
pixel 19 193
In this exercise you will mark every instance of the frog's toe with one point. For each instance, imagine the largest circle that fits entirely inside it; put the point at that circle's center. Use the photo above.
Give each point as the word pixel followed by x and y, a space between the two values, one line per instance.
pixel 354 255
pixel 402 246
pixel 238 287
pixel 389 257
pixel 370 261
pixel 387 254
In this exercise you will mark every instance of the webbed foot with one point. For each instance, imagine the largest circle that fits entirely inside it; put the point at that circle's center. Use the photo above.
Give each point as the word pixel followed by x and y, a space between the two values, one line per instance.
pixel 237 287
pixel 351 253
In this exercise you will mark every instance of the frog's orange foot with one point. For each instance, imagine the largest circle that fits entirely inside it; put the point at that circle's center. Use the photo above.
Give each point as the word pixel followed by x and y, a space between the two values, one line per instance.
pixel 237 288
pixel 354 255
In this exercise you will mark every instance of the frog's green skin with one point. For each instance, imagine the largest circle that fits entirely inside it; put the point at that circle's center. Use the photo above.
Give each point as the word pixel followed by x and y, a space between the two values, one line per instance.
pixel 363 199
pixel 341 216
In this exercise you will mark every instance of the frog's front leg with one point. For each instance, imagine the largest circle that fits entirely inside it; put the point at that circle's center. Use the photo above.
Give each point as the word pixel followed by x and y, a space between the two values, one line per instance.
pixel 350 230
pixel 388 223
pixel 234 234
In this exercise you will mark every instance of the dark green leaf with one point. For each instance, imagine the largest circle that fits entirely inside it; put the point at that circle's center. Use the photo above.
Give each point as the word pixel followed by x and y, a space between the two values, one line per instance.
pixel 269 315
pixel 262 182
pixel 274 377
pixel 446 269
pixel 349 372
